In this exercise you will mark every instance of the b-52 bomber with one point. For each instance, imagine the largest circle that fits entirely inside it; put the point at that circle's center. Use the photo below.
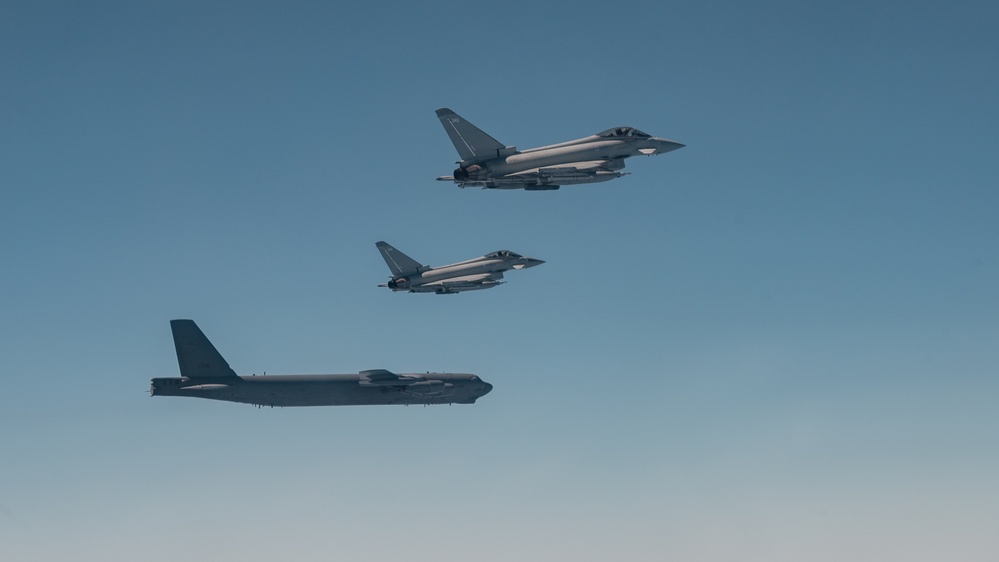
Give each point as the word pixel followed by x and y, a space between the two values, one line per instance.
pixel 205 374
pixel 486 162
pixel 484 272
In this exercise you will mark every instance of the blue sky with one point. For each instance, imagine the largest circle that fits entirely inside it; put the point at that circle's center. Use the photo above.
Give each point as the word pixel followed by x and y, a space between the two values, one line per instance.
pixel 778 343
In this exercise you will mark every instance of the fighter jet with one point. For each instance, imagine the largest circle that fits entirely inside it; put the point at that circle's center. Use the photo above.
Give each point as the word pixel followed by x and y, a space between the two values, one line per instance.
pixel 484 272
pixel 205 374
pixel 488 163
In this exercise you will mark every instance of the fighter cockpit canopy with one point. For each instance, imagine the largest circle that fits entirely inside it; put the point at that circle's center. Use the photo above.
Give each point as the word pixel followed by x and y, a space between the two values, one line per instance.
pixel 624 132
pixel 503 254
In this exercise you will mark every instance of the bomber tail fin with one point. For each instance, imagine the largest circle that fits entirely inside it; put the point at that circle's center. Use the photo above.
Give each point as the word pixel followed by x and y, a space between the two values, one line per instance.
pixel 471 142
pixel 398 263
pixel 195 354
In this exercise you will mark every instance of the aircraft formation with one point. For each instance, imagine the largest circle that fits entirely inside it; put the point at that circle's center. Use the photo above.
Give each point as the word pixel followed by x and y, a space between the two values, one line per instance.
pixel 485 162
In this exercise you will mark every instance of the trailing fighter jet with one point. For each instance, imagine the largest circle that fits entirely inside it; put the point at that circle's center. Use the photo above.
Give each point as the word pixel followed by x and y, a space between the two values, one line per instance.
pixel 488 163
pixel 483 272
pixel 205 374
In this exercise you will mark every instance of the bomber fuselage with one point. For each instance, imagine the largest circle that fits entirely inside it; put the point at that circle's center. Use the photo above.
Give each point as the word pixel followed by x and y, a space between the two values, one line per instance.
pixel 327 390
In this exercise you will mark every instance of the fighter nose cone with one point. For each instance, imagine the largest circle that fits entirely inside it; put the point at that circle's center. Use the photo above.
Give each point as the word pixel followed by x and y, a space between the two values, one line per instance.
pixel 666 145
pixel 527 262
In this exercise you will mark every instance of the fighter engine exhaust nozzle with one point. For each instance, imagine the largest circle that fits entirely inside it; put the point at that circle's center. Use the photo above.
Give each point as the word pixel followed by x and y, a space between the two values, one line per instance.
pixel 473 172
pixel 399 283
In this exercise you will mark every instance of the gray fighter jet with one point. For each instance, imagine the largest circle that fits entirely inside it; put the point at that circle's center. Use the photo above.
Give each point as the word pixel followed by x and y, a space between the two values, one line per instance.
pixel 484 272
pixel 205 374
pixel 488 163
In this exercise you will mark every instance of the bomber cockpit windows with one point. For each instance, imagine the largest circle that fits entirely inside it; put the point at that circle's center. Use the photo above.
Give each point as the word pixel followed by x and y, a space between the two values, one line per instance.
pixel 624 132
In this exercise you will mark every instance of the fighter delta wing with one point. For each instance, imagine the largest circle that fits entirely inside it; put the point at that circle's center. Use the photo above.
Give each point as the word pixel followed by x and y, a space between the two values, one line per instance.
pixel 484 272
pixel 486 162
pixel 205 374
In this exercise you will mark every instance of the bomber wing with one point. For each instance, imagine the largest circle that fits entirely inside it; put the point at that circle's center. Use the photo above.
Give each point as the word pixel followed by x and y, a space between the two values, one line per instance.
pixel 381 377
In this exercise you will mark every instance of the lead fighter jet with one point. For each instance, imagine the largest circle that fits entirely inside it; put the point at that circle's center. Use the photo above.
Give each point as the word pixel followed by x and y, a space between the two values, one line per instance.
pixel 483 272
pixel 205 374
pixel 486 162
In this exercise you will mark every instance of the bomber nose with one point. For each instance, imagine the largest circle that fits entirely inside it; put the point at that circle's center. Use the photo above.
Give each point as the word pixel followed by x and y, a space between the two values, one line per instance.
pixel 486 388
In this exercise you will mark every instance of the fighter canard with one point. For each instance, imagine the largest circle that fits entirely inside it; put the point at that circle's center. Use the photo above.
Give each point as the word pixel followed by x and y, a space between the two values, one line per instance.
pixel 488 163
pixel 205 374
pixel 483 272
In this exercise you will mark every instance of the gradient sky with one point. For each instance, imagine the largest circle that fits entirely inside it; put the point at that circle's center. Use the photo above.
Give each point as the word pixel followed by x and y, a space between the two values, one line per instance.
pixel 779 343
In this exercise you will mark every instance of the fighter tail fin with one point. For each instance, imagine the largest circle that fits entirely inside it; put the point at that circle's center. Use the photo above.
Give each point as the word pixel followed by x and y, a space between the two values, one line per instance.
pixel 471 142
pixel 398 263
pixel 195 354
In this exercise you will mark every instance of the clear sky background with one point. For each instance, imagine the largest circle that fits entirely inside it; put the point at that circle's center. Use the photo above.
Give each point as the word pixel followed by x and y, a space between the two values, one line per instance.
pixel 778 343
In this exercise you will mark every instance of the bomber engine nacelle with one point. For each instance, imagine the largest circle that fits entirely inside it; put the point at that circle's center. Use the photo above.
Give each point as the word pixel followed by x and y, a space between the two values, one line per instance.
pixel 475 172
pixel 430 388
